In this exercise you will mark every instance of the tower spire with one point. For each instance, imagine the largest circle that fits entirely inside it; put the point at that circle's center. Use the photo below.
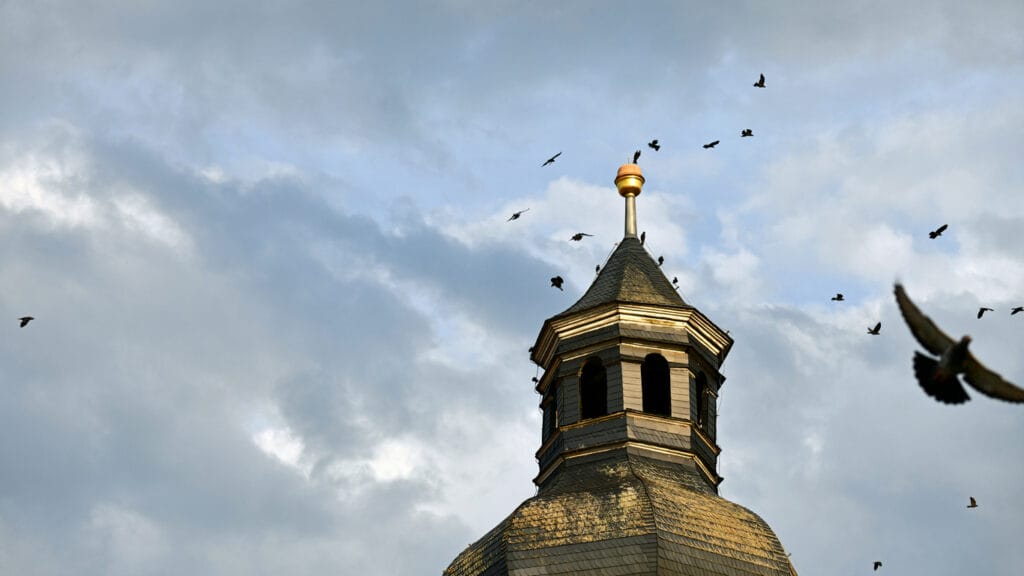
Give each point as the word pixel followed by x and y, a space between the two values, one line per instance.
pixel 630 181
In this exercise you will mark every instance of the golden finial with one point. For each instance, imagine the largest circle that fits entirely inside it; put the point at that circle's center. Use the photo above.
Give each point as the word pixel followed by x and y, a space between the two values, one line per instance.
pixel 630 182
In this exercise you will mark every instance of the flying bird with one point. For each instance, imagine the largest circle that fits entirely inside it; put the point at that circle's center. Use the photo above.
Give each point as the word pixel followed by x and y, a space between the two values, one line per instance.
pixel 550 160
pixel 654 144
pixel 516 215
pixel 579 236
pixel 661 260
pixel 760 82
pixel 636 156
pixel 711 144
pixel 938 231
pixel 982 310
pixel 1017 309
pixel 973 504
pixel 875 331
pixel 643 237
pixel 838 298
pixel 746 132
pixel 25 320
pixel 557 282
pixel 938 378
pixel 877 564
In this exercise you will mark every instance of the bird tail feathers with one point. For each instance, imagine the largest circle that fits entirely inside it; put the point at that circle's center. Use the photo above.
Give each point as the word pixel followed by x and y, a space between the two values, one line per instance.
pixel 937 383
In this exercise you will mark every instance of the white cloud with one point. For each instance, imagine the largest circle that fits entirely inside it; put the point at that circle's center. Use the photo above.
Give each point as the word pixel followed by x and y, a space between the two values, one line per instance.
pixel 284 445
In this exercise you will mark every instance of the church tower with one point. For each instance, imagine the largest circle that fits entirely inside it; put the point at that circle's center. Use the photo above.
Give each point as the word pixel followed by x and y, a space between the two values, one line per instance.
pixel 627 479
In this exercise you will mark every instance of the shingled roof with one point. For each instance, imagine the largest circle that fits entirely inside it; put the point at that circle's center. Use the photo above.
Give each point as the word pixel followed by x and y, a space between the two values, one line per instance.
pixel 626 515
pixel 629 276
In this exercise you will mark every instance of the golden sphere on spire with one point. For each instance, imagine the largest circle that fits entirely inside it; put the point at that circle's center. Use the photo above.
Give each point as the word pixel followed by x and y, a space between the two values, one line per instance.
pixel 629 180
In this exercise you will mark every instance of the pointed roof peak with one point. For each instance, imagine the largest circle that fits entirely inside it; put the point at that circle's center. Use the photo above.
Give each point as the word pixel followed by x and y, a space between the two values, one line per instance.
pixel 629 276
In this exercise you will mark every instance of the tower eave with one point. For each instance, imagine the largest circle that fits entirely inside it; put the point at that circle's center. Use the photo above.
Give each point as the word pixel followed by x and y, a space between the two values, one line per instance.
pixel 696 327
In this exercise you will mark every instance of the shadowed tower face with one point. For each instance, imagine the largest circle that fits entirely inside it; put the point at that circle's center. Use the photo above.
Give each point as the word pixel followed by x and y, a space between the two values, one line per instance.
pixel 627 468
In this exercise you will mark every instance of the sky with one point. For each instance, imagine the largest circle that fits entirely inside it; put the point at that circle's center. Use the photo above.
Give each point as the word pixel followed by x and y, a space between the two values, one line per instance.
pixel 281 319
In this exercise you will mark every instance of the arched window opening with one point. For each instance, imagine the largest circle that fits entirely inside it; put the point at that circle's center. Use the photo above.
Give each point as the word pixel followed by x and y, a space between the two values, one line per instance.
pixel 655 385
pixel 593 389
pixel 702 401
pixel 551 411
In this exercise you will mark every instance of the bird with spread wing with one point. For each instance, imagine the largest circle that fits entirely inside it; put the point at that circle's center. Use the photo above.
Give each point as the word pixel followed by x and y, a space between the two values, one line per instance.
pixel 938 378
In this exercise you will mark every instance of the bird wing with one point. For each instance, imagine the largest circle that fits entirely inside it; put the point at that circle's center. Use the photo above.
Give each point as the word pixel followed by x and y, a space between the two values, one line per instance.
pixel 989 383
pixel 877 327
pixel 921 326
pixel 942 228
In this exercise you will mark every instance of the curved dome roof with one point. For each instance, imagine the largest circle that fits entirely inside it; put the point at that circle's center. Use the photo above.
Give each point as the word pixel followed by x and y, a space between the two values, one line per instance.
pixel 626 515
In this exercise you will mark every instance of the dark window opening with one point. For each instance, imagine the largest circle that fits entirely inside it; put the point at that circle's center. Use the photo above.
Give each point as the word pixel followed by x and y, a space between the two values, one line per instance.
pixel 593 389
pixel 551 412
pixel 655 385
pixel 702 401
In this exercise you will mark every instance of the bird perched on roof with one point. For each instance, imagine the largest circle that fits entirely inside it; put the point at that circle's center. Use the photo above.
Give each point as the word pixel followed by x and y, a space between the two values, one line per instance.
pixel 597 269
pixel 877 564
pixel 661 260
pixel 760 82
pixel 636 156
pixel 579 236
pixel 711 144
pixel 1016 310
pixel 643 237
pixel 557 282
pixel 982 310
pixel 838 298
pixel 876 330
pixel 973 504
pixel 938 378
pixel 550 160
pixel 654 144
pixel 516 215
pixel 746 132
pixel 938 231
pixel 25 320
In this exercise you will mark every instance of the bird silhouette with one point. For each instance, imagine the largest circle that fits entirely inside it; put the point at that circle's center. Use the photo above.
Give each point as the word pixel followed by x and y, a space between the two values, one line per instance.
pixel 1016 310
pixel 973 504
pixel 661 260
pixel 535 380
pixel 938 378
pixel 557 282
pixel 746 132
pixel 982 310
pixel 654 144
pixel 636 156
pixel 25 320
pixel 550 160
pixel 760 82
pixel 516 215
pixel 675 279
pixel 711 144
pixel 876 330
pixel 643 237
pixel 597 269
pixel 579 236
pixel 838 298
pixel 877 564
pixel 938 231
